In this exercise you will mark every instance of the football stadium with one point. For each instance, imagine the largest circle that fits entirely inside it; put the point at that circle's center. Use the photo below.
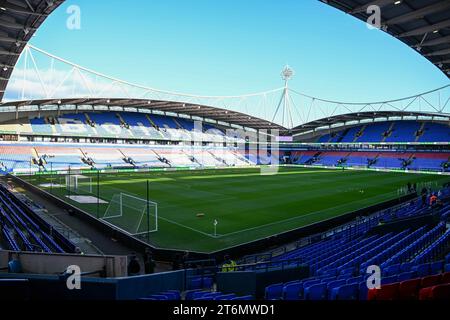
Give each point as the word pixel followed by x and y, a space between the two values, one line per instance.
pixel 133 193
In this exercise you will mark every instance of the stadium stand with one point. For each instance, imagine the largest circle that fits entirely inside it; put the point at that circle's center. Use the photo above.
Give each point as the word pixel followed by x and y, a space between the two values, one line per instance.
pixel 338 265
pixel 414 260
pixel 397 131
pixel 23 230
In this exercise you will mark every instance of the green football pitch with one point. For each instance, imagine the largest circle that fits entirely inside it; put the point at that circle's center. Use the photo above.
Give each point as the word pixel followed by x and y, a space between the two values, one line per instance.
pixel 246 205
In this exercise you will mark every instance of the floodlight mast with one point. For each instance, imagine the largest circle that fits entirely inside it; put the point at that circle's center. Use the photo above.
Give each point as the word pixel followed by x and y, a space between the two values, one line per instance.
pixel 286 120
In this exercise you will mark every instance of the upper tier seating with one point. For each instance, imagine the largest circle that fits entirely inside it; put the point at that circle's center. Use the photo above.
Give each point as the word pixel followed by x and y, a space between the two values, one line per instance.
pixel 435 132
pixel 127 125
pixel 399 131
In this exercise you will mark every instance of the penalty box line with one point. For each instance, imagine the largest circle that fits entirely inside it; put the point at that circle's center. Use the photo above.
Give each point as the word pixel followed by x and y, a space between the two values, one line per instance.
pixel 171 221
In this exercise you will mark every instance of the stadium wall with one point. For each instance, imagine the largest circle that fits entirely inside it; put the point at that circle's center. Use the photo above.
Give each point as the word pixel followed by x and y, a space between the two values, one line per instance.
pixel 42 263
pixel 54 287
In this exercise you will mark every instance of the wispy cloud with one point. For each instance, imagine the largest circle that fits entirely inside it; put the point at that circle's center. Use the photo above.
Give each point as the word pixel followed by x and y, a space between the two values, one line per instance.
pixel 29 84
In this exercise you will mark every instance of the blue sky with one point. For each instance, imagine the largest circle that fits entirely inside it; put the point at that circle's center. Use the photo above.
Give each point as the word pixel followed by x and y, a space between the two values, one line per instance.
pixel 218 47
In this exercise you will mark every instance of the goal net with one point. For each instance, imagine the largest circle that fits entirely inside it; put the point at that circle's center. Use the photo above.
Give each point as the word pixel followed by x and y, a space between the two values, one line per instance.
pixel 78 184
pixel 134 215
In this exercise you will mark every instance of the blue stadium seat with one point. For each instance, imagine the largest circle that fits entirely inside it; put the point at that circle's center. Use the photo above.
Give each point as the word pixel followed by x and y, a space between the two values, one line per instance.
pixel 190 293
pixel 406 276
pixel 158 297
pixel 292 291
pixel 334 284
pixel 436 267
pixel 243 298
pixel 346 292
pixel 172 295
pixel 316 292
pixel 392 270
pixel 404 267
pixel 422 270
pixel 355 280
pixel 209 296
pixel 389 280
pixel 274 291
pixel 225 297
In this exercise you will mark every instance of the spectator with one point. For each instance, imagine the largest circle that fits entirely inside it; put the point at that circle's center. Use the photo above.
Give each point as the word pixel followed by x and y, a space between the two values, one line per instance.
pixel 134 268
pixel 433 200
pixel 424 196
pixel 185 260
pixel 176 263
pixel 146 253
pixel 149 263
pixel 228 264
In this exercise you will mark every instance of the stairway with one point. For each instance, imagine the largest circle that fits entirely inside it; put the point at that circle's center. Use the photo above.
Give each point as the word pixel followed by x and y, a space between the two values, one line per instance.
pixel 409 161
pixel 122 121
pixel 89 121
pixel 314 159
pixel 360 133
pixel 422 127
pixel 178 124
pixel 127 159
pixel 51 124
pixel 346 157
pixel 37 160
pixel 217 158
pixel 151 122
pixel 374 161
pixel 193 159
pixel 161 158
pixel 342 135
pixel 86 159
pixel 390 130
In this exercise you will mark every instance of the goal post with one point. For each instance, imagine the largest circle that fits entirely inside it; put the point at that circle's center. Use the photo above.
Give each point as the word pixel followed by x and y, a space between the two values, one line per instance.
pixel 79 184
pixel 134 215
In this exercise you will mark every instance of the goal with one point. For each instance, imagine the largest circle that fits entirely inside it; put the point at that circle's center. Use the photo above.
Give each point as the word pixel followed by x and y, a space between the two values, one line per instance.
pixel 134 215
pixel 79 184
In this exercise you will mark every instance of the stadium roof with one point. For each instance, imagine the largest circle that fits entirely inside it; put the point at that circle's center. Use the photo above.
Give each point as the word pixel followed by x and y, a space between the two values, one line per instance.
pixel 345 119
pixel 423 25
pixel 19 20
pixel 213 113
